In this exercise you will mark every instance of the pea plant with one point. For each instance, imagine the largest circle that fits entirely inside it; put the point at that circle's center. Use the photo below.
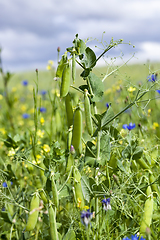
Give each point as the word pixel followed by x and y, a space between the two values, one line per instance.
pixel 81 175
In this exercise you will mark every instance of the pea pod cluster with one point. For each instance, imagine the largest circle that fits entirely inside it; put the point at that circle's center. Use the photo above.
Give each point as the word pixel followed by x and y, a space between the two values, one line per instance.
pixel 33 215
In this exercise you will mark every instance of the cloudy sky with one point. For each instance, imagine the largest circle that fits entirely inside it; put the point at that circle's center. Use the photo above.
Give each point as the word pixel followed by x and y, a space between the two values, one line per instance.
pixel 31 31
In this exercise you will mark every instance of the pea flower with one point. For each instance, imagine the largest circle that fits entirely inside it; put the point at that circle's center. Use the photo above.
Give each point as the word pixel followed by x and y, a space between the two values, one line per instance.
pixel 25 82
pixel 86 217
pixel 152 78
pixel 106 204
pixel 158 91
pixel 130 126
pixel 135 237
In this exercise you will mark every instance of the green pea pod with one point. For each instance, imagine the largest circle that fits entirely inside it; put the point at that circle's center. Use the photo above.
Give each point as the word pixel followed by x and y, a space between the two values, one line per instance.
pixel 39 185
pixel 73 67
pixel 77 129
pixel 142 163
pixel 88 116
pixel 148 212
pixel 70 162
pixel 52 223
pixel 65 83
pixel 69 139
pixel 61 66
pixel 69 110
pixel 33 215
pixel 54 191
pixel 79 195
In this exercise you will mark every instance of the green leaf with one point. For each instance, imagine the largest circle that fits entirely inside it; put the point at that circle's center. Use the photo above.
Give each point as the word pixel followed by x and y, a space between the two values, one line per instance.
pixel 137 153
pixel 87 192
pixel 105 149
pixel 89 60
pixel 63 193
pixel 90 154
pixel 70 235
pixel 96 86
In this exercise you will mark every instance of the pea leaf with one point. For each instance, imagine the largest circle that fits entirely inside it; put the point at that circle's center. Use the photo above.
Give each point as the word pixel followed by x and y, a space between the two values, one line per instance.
pixel 105 149
pixel 87 192
pixel 89 60
pixel 96 86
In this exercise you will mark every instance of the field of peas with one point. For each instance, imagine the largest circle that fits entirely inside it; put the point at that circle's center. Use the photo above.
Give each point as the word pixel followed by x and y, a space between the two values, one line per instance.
pixel 79 150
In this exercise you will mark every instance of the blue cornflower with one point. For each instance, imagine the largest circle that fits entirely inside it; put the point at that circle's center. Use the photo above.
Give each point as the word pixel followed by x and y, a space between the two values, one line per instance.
pixel 43 92
pixel 130 126
pixel 4 184
pixel 158 91
pixel 25 115
pixel 152 78
pixel 107 105
pixel 106 204
pixel 86 217
pixel 25 82
pixel 135 237
pixel 42 109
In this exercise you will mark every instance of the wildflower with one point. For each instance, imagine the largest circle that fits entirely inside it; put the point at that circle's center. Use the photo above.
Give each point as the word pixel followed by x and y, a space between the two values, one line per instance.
pixel 11 152
pixel 4 184
pixel 106 204
pixel 158 91
pixel 135 237
pixel 42 109
pixel 46 148
pixel 131 89
pixel 130 126
pixel 58 49
pixel 152 78
pixel 86 217
pixel 50 65
pixel 25 82
pixel 25 115
pixel 155 125
pixel 43 92
pixel 42 121
pixel 107 105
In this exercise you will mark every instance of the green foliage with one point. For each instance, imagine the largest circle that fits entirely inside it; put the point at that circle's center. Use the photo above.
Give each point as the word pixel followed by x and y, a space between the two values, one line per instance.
pixel 108 162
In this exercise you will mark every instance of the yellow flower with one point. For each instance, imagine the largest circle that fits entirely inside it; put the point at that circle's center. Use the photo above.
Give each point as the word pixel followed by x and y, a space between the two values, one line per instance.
pixel 2 130
pixel 155 125
pixel 50 65
pixel 42 121
pixel 79 202
pixel 40 133
pixel 11 152
pixel 46 148
pixel 23 108
pixel 131 89
pixel 86 207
